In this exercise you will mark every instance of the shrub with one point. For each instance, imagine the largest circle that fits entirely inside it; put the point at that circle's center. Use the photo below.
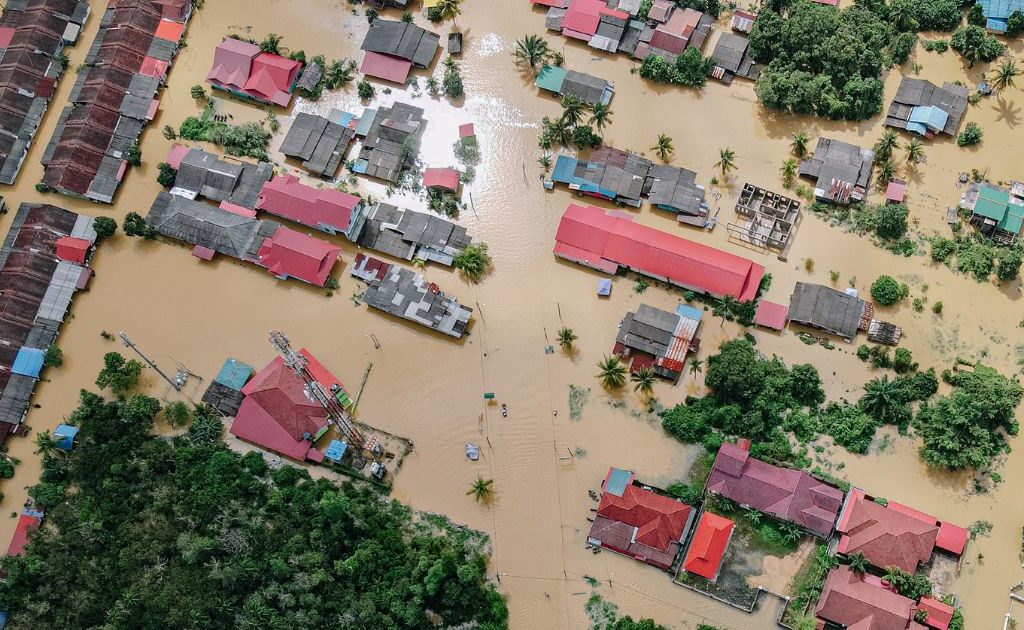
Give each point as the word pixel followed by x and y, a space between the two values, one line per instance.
pixel 105 227
pixel 133 154
pixel 918 305
pixel 198 93
pixel 365 90
pixel 1015 24
pixel 584 137
pixel 863 352
pixel 942 249
pixel 879 356
pixel 901 47
pixel 135 225
pixel 53 357
pixel 1009 260
pixel 937 308
pixel 971 135
pixel 452 81
pixel 170 133
pixel 690 494
pixel 886 291
pixel 473 261
pixel 903 361
pixel 891 221
pixel 167 175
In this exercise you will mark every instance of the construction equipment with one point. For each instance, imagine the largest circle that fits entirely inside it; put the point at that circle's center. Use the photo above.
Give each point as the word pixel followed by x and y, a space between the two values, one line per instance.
pixel 336 413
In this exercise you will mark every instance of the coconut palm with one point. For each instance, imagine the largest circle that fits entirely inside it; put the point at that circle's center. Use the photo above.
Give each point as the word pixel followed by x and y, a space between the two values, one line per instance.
pixel 886 171
pixel 885 146
pixel 600 116
pixel 664 147
pixel 915 151
pixel 726 160
pixel 46 445
pixel 532 49
pixel 613 372
pixel 788 170
pixel 449 9
pixel 1004 75
pixel 799 144
pixel 560 130
pixel 482 489
pixel 643 380
pixel 858 563
pixel 696 367
pixel 573 109
pixel 882 399
pixel 726 308
pixel 901 17
pixel 565 338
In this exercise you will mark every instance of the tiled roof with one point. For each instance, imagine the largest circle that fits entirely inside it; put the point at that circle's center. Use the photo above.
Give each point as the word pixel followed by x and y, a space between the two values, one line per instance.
pixel 860 602
pixel 710 540
pixel 885 536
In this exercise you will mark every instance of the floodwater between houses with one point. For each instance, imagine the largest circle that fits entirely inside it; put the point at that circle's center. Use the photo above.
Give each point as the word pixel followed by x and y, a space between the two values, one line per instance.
pixel 184 312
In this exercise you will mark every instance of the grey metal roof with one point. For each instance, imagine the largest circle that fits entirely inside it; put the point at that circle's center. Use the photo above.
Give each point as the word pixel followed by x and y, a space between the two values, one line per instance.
pixel 207 175
pixel 319 143
pixel 553 19
pixel 202 224
pixel 382 154
pixel 587 88
pixel 311 76
pixel 162 49
pixel 409 295
pixel 402 40
pixel 914 92
pixel 407 234
pixel 826 308
pixel 676 188
pixel 841 162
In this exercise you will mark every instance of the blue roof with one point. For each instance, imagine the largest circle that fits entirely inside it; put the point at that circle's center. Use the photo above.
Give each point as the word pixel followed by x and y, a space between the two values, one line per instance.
pixel 565 165
pixel 998 25
pixel 604 286
pixel 931 116
pixel 618 479
pixel 917 128
pixel 1000 8
pixel 366 122
pixel 29 362
pixel 234 374
pixel 687 311
pixel 339 117
pixel 335 451
pixel 361 165
pixel 65 434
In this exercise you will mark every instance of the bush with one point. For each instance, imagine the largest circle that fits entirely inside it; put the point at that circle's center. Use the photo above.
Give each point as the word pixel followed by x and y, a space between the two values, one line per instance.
pixel 942 249
pixel 1015 24
pixel 891 221
pixel 198 93
pixel 365 90
pixel 177 413
pixel 6 467
pixel 849 426
pixel 473 261
pixel 105 227
pixel 901 47
pixel 973 43
pixel 879 356
pixel 133 154
pixel 53 357
pixel 886 291
pixel 135 225
pixel 863 352
pixel 452 82
pixel 937 308
pixel 584 137
pixel 684 423
pixel 937 15
pixel 167 175
pixel 937 45
pixel 903 361
pixel 1009 260
pixel 170 133
pixel 690 494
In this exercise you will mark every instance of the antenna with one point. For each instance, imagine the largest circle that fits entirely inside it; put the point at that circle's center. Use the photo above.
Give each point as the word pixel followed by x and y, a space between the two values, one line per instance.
pixel 336 414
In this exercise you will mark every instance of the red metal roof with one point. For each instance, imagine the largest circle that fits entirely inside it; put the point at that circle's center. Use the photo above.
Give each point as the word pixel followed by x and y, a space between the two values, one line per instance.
pixel 232 61
pixel 385 67
pixel 271 78
pixel 26 523
pixel 319 372
pixel 154 67
pixel 177 154
pixel 583 16
pixel 896 192
pixel 236 209
pixel 952 538
pixel 447 178
pixel 771 315
pixel 708 546
pixel 203 253
pixel 466 131
pixel 170 31
pixel 590 236
pixel 558 4
pixel 291 254
pixel 6 35
pixel 286 196
pixel 939 613
pixel 73 249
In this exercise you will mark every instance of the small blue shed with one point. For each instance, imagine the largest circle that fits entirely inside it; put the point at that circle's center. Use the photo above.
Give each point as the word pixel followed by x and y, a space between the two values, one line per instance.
pixel 335 451
pixel 29 362
pixel 234 374
pixel 64 435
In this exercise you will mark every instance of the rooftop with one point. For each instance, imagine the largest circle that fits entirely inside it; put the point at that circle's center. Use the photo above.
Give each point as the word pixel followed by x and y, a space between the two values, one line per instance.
pixel 322 208
pixel 886 537
pixel 940 108
pixel 658 339
pixel 861 602
pixel 242 68
pixel 407 234
pixel 202 174
pixel 404 41
pixel 826 308
pixel 290 254
pixel 710 540
pixel 841 171
pixel 318 143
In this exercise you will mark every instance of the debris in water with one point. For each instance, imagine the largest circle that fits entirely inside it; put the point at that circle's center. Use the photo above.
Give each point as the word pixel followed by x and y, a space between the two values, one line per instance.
pixel 577 398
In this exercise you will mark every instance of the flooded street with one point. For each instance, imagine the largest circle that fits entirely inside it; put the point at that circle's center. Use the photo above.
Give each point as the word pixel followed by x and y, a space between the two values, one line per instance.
pixel 185 312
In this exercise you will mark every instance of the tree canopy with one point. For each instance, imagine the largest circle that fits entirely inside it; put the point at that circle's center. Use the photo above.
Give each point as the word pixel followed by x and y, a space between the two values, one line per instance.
pixel 144 532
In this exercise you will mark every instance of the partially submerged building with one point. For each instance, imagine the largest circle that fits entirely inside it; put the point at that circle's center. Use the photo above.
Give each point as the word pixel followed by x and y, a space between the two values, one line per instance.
pixel 770 217
pixel 608 242
pixel 202 174
pixel 785 493
pixel 657 339
pixel 407 294
pixel 732 59
pixel 407 234
pixel 862 601
pixel 326 209
pixel 682 28
pixel 676 189
pixel 392 48
pixel 827 309
pixel 996 211
pixel 114 97
pixel 320 143
pixel 562 82
pixel 639 521
pixel 997 13
pixel 707 549
pixel 282 251
pixel 840 171
pixel 29 521
pixel 32 37
pixel 43 262
pixel 926 109
pixel 391 141
pixel 225 391
pixel 442 180
pixel 590 21
pixel 242 69
pixel 609 173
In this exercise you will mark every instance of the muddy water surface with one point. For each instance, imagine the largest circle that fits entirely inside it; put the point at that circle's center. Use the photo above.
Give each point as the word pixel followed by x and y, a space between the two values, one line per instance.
pixel 184 311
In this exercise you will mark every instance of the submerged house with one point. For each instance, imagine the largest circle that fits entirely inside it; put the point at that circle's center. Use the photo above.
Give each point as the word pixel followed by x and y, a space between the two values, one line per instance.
pixel 391 141
pixel 592 21
pixel 926 109
pixel 407 294
pixel 770 217
pixel 827 309
pixel 639 521
pixel 562 82
pixel 320 143
pixel 43 263
pixel 840 171
pixel 682 28
pixel 31 40
pixel 114 97
pixel 609 173
pixel 609 241
pixel 732 59
pixel 202 174
pixel 658 339
pixel 785 493
pixel 862 601
pixel 708 546
pixel 392 48
pixel 997 212
pixel 28 521
pixel 241 68
pixel 407 234
pixel 326 209
pixel 997 13
pixel 676 189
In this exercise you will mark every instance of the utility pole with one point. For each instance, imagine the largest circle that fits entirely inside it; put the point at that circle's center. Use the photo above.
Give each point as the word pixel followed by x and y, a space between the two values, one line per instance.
pixel 366 375
pixel 128 343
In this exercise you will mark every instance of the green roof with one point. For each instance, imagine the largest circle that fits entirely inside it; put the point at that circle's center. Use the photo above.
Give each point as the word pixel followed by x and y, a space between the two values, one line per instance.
pixel 550 78
pixel 994 203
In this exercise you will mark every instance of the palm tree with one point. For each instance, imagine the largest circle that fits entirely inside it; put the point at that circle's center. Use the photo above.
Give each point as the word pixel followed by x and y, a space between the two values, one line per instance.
pixel 788 170
pixel 613 372
pixel 696 367
pixel 449 9
pixel 858 563
pixel 892 575
pixel 799 144
pixel 600 116
pixel 664 147
pixel 1003 76
pixel 886 171
pixel 726 308
pixel 888 143
pixel 560 130
pixel 532 49
pixel 46 445
pixel 901 17
pixel 643 380
pixel 481 490
pixel 754 516
pixel 726 160
pixel 882 398
pixel 573 109
pixel 915 151
pixel 565 338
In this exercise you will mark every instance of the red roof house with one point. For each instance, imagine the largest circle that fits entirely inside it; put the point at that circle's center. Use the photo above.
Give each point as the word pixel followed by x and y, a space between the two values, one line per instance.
pixel 73 249
pixel 326 209
pixel 589 236
pixel 291 254
pixel 708 546
pixel 276 413
pixel 29 521
pixel 862 602
pixel 638 522
pixel 887 537
pixel 939 613
pixel 241 68
pixel 771 315
pixel 788 494
pixel 386 67
pixel 952 538
pixel 895 192
pixel 583 16
pixel 232 61
pixel 441 179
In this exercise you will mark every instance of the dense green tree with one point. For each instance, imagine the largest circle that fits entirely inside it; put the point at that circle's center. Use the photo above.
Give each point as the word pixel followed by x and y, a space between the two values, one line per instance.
pixel 970 136
pixel 937 15
pixel 135 225
pixel 473 261
pixel 1009 259
pixel 886 291
pixel 976 15
pixel 974 44
pixel 166 175
pixel 105 227
pixel 1015 24
pixel 903 361
pixel 891 221
pixel 53 357
pixel 118 374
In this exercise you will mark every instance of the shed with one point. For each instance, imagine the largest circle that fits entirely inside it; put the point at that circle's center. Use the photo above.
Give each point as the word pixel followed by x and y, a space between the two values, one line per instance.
pixel 455 43
pixel 203 253
pixel 73 249
pixel 896 191
pixel 335 451
pixel 234 374
pixel 385 67
pixel 771 315
pixel 467 131
pixel 64 436
pixel 28 362
pixel 550 78
pixel 823 307
pixel 604 287
pixel 952 538
pixel 441 179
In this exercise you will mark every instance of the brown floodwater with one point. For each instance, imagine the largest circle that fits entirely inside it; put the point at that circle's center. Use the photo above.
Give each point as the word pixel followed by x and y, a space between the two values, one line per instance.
pixel 182 311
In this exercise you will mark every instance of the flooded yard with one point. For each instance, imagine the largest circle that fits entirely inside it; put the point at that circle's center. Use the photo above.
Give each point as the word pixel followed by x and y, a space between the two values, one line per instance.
pixel 543 458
